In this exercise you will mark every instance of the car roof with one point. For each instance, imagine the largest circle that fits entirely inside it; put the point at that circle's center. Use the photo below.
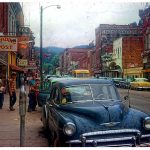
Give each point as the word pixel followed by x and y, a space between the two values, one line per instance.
pixel 77 81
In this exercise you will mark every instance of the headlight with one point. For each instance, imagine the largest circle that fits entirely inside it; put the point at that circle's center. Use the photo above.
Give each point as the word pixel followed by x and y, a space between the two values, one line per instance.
pixel 69 129
pixel 146 123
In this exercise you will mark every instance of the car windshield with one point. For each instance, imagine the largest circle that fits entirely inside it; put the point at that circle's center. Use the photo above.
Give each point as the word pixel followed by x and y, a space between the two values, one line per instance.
pixel 90 92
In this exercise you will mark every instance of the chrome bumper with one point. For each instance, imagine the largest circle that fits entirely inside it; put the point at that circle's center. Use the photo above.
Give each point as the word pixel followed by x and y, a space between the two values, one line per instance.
pixel 116 138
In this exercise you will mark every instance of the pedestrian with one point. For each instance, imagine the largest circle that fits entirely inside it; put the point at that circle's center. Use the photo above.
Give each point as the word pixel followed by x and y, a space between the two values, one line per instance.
pixel 32 94
pixel 37 86
pixel 2 91
pixel 12 91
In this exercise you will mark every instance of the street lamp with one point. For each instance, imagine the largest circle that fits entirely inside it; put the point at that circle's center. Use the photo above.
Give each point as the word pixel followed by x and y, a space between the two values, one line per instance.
pixel 41 40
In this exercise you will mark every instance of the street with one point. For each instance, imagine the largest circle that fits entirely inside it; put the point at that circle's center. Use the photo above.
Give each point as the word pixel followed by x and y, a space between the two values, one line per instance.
pixel 138 99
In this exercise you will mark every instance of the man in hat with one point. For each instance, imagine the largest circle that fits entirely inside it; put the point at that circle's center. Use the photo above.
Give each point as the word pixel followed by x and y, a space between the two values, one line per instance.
pixel 12 91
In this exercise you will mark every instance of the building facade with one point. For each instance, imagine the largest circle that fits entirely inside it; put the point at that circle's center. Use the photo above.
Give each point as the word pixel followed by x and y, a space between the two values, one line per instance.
pixel 74 58
pixel 14 41
pixel 145 24
pixel 11 17
pixel 105 35
pixel 127 61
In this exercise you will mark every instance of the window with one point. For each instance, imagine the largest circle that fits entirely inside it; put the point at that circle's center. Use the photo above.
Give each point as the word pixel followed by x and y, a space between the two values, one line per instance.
pixel 55 96
pixel 104 92
pixel 79 93
pixel 92 92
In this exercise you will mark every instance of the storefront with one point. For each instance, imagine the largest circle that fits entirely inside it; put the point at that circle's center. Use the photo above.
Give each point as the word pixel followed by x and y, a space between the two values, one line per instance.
pixel 133 73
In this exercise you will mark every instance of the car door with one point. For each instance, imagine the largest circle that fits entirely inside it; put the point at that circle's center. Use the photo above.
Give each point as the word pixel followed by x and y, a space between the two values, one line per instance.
pixel 53 114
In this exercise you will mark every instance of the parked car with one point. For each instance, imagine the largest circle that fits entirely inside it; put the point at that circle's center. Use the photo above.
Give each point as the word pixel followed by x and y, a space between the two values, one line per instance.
pixel 90 112
pixel 125 83
pixel 140 84
pixel 116 81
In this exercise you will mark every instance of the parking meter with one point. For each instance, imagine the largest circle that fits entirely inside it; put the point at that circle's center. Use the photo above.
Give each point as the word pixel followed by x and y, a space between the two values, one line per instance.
pixel 22 101
pixel 22 112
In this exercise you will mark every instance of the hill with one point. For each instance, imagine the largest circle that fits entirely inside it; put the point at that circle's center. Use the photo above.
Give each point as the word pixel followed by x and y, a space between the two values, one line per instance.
pixel 57 50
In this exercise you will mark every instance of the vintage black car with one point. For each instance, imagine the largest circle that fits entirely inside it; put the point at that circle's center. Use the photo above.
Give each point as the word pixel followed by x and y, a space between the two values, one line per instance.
pixel 90 112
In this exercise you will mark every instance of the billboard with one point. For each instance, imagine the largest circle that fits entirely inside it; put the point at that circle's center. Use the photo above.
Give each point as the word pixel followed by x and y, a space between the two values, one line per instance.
pixel 8 44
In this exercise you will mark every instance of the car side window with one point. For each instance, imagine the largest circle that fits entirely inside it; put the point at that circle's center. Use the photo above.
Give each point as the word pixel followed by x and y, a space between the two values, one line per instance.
pixel 56 96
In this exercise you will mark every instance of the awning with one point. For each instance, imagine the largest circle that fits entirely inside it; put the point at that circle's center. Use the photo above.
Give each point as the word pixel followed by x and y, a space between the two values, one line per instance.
pixel 146 70
pixel 16 68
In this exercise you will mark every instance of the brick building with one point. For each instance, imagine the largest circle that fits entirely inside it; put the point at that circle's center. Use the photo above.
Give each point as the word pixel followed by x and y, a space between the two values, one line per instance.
pixel 12 18
pixel 145 24
pixel 127 60
pixel 74 58
pixel 12 28
pixel 105 35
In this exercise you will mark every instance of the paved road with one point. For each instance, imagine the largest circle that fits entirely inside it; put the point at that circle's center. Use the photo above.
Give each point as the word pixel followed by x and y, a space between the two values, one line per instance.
pixel 10 127
pixel 138 99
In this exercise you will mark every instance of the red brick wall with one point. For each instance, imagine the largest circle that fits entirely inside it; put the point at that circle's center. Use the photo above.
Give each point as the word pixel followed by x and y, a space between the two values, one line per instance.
pixel 132 47
pixel 79 55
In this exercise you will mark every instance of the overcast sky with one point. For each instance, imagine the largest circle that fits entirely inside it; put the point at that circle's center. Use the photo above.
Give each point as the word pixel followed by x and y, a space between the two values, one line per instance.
pixel 75 23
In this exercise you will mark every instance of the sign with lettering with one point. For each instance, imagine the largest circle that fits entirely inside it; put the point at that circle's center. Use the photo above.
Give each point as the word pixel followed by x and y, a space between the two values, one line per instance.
pixel 24 29
pixel 23 39
pixel 8 44
pixel 119 29
pixel 22 62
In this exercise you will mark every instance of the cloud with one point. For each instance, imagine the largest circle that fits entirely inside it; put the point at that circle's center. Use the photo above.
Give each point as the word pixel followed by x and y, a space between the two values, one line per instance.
pixel 75 22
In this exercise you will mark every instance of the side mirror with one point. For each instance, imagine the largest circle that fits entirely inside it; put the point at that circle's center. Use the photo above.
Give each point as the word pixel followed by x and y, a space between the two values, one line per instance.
pixel 126 97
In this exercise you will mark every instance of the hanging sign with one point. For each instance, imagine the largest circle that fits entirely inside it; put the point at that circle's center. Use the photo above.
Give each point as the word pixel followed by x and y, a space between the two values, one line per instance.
pixel 8 44
pixel 22 62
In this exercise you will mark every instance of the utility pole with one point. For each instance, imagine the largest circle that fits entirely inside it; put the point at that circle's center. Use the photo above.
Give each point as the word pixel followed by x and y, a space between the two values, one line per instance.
pixel 41 41
pixel 41 47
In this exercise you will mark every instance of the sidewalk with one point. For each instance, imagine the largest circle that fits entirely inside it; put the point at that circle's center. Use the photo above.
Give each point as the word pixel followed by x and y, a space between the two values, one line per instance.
pixel 10 126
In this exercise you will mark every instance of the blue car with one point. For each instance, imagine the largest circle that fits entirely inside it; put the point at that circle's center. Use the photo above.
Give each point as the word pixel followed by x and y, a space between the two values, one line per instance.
pixel 90 112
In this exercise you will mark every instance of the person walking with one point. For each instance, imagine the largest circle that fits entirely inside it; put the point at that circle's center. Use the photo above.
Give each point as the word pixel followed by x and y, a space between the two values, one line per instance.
pixel 2 90
pixel 12 91
pixel 32 94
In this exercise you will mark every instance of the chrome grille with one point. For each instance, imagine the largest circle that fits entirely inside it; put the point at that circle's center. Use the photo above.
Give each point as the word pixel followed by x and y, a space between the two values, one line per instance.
pixel 123 137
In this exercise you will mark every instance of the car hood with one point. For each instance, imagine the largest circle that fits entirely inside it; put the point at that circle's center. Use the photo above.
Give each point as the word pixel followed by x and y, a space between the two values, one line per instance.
pixel 98 111
pixel 100 116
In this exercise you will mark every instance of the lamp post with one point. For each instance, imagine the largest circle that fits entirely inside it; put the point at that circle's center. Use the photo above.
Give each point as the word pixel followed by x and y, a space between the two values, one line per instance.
pixel 41 40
